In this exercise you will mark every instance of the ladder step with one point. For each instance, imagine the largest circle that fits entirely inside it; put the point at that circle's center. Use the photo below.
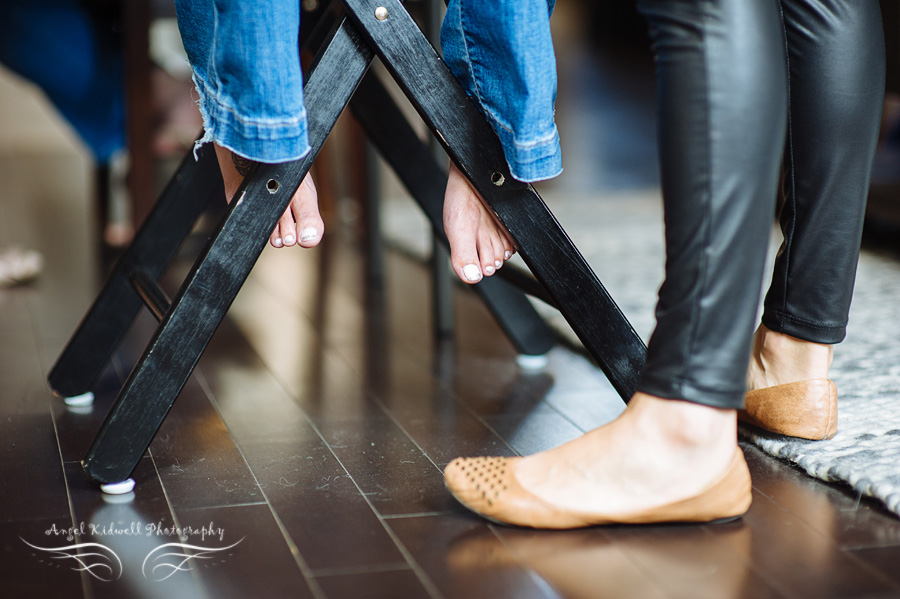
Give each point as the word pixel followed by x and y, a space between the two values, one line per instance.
pixel 149 290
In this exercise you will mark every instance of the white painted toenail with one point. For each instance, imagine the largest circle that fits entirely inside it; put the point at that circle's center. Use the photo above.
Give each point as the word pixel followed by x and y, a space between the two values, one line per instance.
pixel 288 239
pixel 498 263
pixel 278 243
pixel 489 270
pixel 507 255
pixel 471 272
pixel 308 234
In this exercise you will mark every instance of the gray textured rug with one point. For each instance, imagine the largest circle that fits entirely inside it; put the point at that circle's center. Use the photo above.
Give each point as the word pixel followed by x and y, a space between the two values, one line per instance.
pixel 622 241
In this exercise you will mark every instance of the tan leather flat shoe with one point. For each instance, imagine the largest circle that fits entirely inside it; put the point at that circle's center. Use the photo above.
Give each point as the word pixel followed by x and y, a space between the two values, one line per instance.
pixel 805 409
pixel 488 486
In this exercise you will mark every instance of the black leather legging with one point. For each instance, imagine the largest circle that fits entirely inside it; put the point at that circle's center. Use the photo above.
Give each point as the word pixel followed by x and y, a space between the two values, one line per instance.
pixel 744 84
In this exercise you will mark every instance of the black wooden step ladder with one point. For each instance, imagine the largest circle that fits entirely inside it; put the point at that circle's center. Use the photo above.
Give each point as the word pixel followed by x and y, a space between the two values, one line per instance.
pixel 358 31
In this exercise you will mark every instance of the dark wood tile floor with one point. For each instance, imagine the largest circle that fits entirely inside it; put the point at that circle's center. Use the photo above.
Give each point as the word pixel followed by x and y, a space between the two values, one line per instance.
pixel 308 446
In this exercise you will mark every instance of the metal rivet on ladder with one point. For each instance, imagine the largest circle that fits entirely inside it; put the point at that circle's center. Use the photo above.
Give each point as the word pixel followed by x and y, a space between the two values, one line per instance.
pixel 381 13
pixel 272 185
pixel 498 179
pixel 310 5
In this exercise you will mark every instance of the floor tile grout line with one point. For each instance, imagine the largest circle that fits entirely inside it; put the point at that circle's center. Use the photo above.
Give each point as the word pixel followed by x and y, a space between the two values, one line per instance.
pixel 394 420
pixel 415 515
pixel 649 573
pixel 445 391
pixel 304 568
pixel 565 417
pixel 420 573
pixel 118 369
pixel 384 409
pixel 818 482
pixel 223 506
pixel 407 349
pixel 536 578
pixel 751 566
pixel 86 588
pixel 376 399
pixel 417 569
pixel 194 575
pixel 873 503
pixel 330 572
pixel 873 571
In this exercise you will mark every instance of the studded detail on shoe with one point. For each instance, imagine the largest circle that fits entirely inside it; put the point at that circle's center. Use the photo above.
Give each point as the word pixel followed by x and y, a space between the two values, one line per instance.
pixel 484 475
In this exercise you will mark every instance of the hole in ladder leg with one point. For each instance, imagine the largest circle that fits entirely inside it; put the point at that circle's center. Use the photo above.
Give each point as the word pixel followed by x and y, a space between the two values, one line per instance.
pixel 272 185
pixel 498 179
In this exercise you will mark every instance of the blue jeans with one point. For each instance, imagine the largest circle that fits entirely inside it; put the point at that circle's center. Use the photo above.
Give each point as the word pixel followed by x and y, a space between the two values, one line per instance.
pixel 502 54
pixel 247 73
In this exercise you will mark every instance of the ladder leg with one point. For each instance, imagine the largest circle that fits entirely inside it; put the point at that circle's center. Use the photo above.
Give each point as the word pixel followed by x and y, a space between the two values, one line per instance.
pixel 153 248
pixel 442 275
pixel 417 168
pixel 171 220
pixel 219 273
pixel 471 143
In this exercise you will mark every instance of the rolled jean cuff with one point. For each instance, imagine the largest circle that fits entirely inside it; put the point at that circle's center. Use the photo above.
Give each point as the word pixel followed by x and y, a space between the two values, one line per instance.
pixel 686 390
pixel 261 140
pixel 532 161
pixel 814 332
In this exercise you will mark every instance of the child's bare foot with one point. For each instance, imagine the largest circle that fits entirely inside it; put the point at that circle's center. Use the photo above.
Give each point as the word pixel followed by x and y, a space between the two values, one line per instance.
pixel 778 359
pixel 479 244
pixel 300 224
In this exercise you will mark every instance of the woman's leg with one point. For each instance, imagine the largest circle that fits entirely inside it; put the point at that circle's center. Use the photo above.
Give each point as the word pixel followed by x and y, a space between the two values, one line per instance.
pixel 836 68
pixel 722 81
pixel 246 66
pixel 722 84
